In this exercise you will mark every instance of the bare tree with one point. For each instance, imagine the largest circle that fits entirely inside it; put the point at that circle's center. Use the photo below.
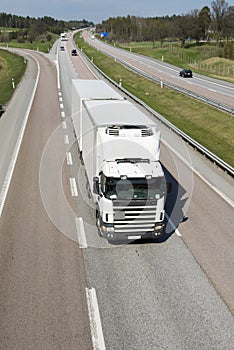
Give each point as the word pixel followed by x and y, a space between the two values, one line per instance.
pixel 219 11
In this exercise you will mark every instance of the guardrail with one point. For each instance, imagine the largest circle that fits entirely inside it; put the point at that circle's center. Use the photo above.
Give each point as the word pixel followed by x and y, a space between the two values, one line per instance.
pixel 218 105
pixel 196 145
pixel 184 91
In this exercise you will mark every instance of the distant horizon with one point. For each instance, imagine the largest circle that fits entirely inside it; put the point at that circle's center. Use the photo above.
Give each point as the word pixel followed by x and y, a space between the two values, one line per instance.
pixel 92 11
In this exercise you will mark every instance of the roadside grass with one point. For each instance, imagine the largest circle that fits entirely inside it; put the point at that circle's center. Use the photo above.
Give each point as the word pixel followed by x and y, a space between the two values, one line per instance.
pixel 11 66
pixel 201 59
pixel 37 45
pixel 210 127
pixel 41 44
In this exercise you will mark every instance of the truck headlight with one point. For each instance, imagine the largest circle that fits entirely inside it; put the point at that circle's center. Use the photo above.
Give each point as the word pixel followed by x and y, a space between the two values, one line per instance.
pixel 107 229
pixel 159 227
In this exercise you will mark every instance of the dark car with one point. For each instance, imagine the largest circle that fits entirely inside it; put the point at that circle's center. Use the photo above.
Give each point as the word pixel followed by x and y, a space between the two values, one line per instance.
pixel 62 48
pixel 186 73
pixel 73 52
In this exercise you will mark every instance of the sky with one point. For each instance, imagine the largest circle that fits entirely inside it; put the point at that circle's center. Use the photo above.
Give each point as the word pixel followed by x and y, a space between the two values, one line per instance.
pixel 97 11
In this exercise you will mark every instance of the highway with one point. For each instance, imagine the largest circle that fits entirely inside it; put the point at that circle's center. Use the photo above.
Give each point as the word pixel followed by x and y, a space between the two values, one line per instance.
pixel 214 89
pixel 63 287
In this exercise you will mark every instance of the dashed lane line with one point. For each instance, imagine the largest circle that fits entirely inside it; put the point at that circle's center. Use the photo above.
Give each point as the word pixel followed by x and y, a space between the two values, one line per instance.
pixel 81 233
pixel 73 186
pixel 69 158
pixel 95 320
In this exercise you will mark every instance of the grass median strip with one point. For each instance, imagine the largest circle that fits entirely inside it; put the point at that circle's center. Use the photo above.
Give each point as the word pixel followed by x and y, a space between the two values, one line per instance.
pixel 12 66
pixel 208 126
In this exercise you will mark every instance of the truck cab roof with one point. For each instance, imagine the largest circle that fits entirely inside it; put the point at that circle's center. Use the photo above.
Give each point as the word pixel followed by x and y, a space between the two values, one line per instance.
pixel 132 170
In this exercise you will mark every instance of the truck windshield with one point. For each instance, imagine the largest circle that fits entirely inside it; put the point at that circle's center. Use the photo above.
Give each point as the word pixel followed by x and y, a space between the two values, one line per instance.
pixel 134 188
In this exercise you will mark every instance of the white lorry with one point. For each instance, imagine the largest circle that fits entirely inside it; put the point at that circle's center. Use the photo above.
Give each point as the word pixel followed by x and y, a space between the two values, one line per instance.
pixel 120 148
pixel 63 36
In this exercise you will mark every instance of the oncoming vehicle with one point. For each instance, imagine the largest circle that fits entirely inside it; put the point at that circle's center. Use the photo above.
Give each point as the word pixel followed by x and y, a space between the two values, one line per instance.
pixel 74 52
pixel 186 73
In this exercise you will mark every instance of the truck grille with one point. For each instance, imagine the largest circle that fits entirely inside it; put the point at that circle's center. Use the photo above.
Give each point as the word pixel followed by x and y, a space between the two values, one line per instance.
pixel 146 132
pixel 113 132
pixel 134 218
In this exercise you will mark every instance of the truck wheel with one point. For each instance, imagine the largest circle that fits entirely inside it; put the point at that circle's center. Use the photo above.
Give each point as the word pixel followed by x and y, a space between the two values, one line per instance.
pixel 88 190
pixel 81 158
pixel 98 223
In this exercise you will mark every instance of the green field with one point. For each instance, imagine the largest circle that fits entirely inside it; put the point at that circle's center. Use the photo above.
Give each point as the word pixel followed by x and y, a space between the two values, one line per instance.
pixel 205 124
pixel 11 66
pixel 41 44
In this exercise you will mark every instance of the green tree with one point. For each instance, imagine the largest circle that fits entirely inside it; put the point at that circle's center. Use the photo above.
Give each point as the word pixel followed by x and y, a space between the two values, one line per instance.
pixel 204 17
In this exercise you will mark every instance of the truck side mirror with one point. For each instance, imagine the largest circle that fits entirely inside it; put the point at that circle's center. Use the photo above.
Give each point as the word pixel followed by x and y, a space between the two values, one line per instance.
pixel 169 187
pixel 95 185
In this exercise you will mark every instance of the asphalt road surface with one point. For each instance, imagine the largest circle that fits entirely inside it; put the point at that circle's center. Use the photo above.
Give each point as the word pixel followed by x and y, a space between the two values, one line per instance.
pixel 173 294
pixel 42 290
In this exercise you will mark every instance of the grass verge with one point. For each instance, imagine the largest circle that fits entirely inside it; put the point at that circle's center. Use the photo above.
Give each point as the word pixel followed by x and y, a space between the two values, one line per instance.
pixel 210 127
pixel 11 66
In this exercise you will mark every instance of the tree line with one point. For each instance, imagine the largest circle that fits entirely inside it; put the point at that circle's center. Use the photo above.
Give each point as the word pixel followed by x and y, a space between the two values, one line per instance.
pixel 30 28
pixel 206 24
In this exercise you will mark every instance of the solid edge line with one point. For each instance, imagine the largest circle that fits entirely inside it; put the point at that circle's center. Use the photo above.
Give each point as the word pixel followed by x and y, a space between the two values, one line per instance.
pixel 81 233
pixel 9 174
pixel 95 320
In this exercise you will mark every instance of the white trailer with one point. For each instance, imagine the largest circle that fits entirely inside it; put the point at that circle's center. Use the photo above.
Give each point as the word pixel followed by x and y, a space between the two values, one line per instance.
pixel 84 89
pixel 120 149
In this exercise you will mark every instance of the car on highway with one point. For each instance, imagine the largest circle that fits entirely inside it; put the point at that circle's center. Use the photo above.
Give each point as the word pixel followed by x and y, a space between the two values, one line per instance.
pixel 186 73
pixel 74 52
pixel 62 48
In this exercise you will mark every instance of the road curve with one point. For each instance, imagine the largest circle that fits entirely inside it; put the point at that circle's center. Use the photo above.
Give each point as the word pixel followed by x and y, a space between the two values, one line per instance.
pixel 42 299
pixel 177 294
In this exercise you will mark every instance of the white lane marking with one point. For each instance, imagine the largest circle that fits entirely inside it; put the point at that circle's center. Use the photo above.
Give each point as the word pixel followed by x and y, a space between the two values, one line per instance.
pixel 64 125
pixel 66 139
pixel 60 94
pixel 95 320
pixel 212 90
pixel 214 83
pixel 10 170
pixel 177 232
pixel 69 158
pixel 63 114
pixel 61 105
pixel 73 186
pixel 60 99
pixel 81 233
